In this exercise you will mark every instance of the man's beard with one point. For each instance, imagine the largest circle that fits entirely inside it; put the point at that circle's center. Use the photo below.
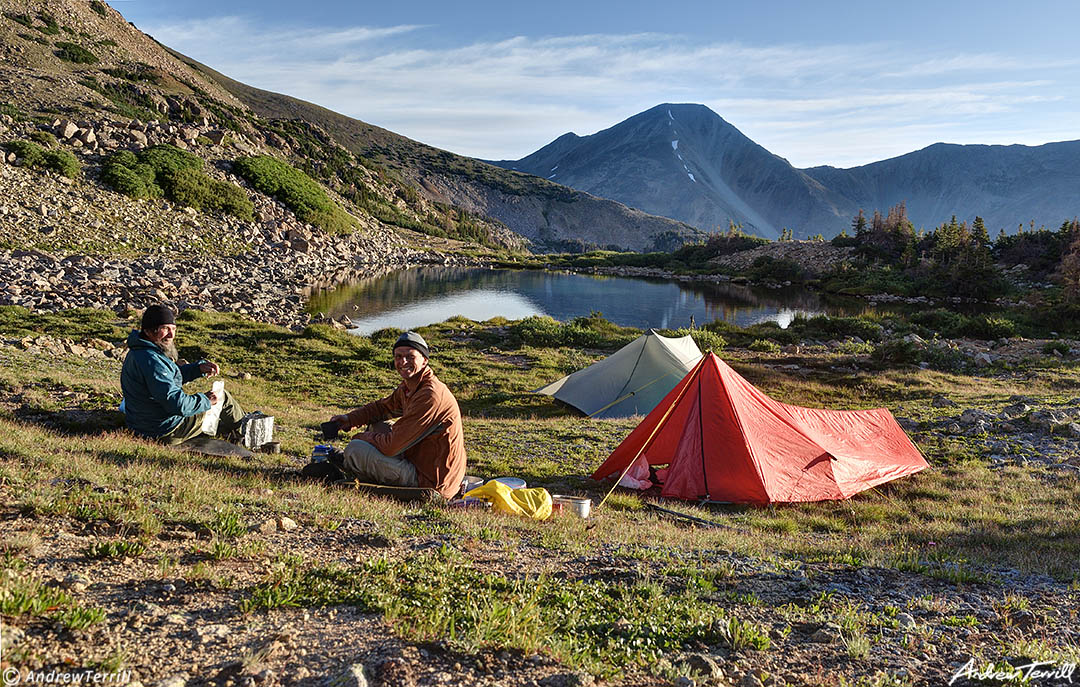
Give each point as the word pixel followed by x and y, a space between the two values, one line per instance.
pixel 170 350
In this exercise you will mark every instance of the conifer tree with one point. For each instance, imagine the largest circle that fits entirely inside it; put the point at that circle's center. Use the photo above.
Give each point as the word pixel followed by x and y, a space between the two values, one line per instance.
pixel 858 224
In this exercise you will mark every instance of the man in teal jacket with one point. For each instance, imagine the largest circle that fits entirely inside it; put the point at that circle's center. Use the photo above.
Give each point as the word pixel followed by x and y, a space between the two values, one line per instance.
pixel 155 404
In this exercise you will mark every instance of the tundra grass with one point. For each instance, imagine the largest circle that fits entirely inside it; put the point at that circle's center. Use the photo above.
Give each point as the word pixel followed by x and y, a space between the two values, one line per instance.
pixel 63 456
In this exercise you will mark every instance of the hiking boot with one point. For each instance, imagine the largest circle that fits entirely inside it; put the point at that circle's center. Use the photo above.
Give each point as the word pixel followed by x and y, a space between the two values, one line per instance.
pixel 323 471
pixel 336 457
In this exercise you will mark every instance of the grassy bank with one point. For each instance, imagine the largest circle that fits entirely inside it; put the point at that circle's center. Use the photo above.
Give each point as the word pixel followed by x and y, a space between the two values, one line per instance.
pixel 622 594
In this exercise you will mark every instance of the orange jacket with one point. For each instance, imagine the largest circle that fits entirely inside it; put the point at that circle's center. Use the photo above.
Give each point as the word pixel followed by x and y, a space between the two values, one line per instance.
pixel 420 404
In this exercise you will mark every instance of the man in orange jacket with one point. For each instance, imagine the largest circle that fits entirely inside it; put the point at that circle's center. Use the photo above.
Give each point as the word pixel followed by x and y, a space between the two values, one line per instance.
pixel 425 447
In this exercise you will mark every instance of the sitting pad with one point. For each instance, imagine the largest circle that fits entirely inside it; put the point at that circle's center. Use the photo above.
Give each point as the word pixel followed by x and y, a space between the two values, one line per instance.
pixel 209 446
pixel 413 494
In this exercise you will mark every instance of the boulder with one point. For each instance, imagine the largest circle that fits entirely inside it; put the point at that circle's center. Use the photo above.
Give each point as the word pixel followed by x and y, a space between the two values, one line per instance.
pixel 352 676
pixel 974 415
pixel 66 130
pixel 698 663
pixel 1014 411
pixel 286 524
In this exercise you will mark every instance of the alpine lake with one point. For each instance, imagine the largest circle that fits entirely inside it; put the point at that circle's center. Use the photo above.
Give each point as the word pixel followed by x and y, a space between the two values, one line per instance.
pixel 419 296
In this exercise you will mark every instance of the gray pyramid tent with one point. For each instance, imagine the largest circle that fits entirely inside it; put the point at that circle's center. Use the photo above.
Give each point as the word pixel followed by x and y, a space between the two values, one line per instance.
pixel 630 381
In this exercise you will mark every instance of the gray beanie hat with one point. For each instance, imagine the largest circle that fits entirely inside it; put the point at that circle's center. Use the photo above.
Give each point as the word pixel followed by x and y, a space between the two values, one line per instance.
pixel 413 340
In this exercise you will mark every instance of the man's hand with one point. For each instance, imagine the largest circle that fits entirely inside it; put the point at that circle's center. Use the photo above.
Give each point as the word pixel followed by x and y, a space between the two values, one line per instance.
pixel 213 397
pixel 209 369
pixel 342 422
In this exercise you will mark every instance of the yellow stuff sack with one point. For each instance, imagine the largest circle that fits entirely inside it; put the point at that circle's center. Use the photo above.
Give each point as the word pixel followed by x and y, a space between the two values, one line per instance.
pixel 533 503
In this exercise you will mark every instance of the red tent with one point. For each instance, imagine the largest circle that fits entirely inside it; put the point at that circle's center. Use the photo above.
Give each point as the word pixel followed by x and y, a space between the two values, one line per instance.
pixel 724 440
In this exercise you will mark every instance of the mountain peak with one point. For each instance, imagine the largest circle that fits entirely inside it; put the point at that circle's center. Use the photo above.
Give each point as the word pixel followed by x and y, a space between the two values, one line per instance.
pixel 682 160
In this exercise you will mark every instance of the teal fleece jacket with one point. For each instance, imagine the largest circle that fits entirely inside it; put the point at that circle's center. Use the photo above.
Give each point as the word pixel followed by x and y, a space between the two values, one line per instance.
pixel 154 400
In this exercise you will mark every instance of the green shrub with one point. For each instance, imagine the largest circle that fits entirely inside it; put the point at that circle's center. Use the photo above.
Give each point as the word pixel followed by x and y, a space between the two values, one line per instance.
pixel 62 162
pixel 946 323
pixel 583 332
pixel 165 158
pixel 826 327
pixel 99 7
pixel 898 352
pixel 126 100
pixel 767 268
pixel 193 188
pixel 166 170
pixel 985 327
pixel 29 152
pixel 51 28
pixel 125 174
pixel 124 158
pixel 705 339
pixel 107 43
pixel 44 138
pixel 538 330
pixel 125 181
pixel 23 19
pixel 1059 346
pixel 945 358
pixel 70 52
pixel 37 39
pixel 764 346
pixel 844 241
pixel 855 348
pixel 11 111
pixel 299 192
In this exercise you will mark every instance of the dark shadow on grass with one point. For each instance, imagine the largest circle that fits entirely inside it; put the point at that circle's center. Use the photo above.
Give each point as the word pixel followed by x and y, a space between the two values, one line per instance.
pixel 72 421
pixel 177 458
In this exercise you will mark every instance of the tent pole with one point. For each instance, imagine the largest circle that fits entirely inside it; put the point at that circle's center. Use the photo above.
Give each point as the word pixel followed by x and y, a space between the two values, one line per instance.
pixel 682 392
pixel 626 396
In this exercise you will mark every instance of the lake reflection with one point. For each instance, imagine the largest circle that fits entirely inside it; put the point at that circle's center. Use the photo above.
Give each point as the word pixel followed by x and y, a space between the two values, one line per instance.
pixel 425 295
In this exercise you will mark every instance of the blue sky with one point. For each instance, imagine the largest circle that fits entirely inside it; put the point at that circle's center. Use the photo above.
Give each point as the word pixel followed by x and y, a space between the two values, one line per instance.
pixel 840 83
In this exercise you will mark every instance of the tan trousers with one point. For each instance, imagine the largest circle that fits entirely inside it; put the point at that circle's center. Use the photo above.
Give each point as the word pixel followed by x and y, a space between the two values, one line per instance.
pixel 365 463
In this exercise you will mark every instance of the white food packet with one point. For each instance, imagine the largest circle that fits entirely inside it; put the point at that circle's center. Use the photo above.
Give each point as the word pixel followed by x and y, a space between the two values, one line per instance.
pixel 211 417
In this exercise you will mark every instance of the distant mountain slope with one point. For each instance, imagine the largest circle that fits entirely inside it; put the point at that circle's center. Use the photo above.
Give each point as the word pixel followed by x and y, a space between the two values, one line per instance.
pixel 1005 185
pixel 543 211
pixel 685 162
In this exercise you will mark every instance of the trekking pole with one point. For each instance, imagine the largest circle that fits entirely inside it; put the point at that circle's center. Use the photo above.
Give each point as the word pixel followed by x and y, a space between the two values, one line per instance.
pixel 656 429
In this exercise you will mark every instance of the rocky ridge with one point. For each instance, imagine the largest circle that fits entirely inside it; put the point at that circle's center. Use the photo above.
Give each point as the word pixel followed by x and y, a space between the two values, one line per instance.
pixel 73 244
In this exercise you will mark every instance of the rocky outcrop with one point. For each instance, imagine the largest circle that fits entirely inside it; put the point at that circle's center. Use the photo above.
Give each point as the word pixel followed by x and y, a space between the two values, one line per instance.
pixel 558 217
pixel 111 136
pixel 816 257
pixel 81 246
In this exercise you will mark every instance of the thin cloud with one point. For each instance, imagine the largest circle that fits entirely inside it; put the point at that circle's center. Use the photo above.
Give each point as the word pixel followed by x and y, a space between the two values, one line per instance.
pixel 833 104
